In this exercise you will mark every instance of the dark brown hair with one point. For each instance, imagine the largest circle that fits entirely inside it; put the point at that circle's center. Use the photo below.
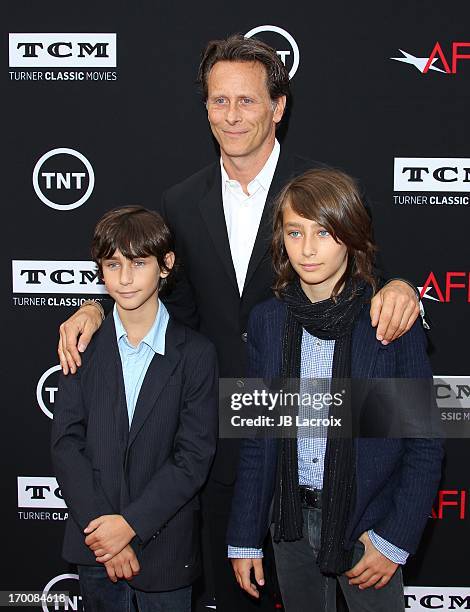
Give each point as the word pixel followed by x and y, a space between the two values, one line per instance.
pixel 136 232
pixel 332 199
pixel 237 48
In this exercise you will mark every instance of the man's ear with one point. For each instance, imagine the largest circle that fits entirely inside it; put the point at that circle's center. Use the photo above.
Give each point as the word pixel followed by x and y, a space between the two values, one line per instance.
pixel 279 106
pixel 169 263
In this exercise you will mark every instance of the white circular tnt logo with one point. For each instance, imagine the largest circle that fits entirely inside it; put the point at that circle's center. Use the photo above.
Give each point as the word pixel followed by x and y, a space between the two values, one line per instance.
pixel 69 583
pixel 277 38
pixel 63 179
pixel 46 390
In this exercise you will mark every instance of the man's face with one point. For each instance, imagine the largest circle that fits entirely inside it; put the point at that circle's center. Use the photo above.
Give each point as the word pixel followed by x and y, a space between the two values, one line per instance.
pixel 240 111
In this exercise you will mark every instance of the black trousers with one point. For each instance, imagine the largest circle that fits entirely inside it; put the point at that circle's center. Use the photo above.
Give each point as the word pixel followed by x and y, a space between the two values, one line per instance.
pixel 219 580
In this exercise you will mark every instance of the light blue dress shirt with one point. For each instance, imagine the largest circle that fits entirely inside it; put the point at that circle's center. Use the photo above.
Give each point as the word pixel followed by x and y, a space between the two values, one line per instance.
pixel 316 364
pixel 136 359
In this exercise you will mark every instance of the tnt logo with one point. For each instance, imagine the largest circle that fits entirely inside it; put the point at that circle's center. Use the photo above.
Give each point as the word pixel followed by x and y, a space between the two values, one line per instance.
pixel 282 41
pixel 63 179
pixel 46 390
pixel 67 583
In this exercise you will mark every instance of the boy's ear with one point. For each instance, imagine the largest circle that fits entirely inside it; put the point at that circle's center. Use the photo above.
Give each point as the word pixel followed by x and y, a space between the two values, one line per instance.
pixel 169 263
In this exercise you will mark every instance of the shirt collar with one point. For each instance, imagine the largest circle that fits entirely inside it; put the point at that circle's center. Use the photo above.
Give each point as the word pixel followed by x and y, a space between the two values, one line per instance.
pixel 265 175
pixel 154 338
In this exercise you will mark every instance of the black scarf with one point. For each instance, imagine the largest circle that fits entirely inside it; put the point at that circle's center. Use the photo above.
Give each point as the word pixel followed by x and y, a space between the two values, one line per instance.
pixel 330 319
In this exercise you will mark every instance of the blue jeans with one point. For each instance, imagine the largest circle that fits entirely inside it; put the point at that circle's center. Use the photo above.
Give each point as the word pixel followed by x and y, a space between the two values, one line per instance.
pixel 101 595
pixel 305 589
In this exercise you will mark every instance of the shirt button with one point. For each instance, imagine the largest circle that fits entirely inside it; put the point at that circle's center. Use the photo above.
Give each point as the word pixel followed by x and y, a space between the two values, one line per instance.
pixel 245 337
pixel 318 343
pixel 315 460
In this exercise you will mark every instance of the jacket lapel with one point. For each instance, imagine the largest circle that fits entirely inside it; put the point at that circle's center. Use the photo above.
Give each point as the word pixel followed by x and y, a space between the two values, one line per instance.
pixel 112 376
pixel 159 371
pixel 265 230
pixel 364 347
pixel 212 212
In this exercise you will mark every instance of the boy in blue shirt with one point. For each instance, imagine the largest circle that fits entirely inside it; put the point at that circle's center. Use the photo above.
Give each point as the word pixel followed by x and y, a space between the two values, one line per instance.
pixel 135 430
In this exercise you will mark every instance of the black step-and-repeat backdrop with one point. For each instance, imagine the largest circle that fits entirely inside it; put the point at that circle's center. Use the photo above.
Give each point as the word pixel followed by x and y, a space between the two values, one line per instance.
pixel 101 109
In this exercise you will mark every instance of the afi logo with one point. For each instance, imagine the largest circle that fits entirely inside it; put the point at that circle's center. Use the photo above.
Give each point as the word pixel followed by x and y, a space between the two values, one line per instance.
pixel 451 502
pixel 39 492
pixel 62 50
pixel 449 63
pixel 453 284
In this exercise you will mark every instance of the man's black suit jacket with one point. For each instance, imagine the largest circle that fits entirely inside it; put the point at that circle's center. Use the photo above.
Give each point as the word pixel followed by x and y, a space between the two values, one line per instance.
pixel 151 474
pixel 206 295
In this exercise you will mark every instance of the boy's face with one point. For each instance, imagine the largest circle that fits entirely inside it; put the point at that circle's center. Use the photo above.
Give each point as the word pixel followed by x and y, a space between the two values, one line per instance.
pixel 133 282
pixel 316 257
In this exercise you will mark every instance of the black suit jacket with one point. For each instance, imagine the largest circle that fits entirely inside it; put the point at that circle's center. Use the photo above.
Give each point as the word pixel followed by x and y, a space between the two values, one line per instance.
pixel 151 474
pixel 206 294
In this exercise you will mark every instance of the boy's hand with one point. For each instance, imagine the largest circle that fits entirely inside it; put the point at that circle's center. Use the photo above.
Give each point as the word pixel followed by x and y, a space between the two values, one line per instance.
pixel 373 569
pixel 83 323
pixel 123 565
pixel 108 535
pixel 393 310
pixel 242 569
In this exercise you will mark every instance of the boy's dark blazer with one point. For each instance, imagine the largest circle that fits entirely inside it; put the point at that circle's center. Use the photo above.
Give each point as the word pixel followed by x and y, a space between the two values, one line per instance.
pixel 194 211
pixel 151 474
pixel 396 479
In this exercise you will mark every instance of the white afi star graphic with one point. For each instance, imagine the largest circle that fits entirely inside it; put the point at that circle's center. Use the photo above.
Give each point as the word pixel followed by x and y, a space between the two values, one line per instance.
pixel 418 62
pixel 426 294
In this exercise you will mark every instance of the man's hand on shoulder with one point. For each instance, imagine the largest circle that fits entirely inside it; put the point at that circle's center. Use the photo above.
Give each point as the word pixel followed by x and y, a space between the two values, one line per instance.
pixel 242 570
pixel 75 335
pixel 393 310
pixel 107 535
pixel 373 569
pixel 123 565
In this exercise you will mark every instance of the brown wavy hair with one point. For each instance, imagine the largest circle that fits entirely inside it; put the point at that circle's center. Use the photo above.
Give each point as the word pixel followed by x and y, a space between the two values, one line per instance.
pixel 332 199
pixel 136 232
pixel 237 48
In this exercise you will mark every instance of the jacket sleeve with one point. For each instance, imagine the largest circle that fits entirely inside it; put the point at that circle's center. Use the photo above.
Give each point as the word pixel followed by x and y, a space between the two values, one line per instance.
pixel 249 516
pixel 185 471
pixel 179 298
pixel 72 467
pixel 422 458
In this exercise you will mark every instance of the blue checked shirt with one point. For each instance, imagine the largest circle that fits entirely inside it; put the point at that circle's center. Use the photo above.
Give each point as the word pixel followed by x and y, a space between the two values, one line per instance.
pixel 136 359
pixel 315 368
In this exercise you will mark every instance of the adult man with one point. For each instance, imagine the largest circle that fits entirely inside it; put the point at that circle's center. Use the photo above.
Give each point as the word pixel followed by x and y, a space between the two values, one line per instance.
pixel 221 219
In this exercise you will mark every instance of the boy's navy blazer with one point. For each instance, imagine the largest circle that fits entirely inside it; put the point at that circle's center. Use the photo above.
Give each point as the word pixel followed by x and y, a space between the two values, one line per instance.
pixel 396 479
pixel 151 474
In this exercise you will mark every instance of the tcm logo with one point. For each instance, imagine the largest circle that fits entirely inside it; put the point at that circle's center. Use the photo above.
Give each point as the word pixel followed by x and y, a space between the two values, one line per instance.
pixel 446 288
pixel 46 390
pixel 437 598
pixel 56 277
pixel 283 42
pixel 431 174
pixel 62 50
pixel 63 179
pixel 39 492
pixel 447 62
pixel 67 583
pixel 450 504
